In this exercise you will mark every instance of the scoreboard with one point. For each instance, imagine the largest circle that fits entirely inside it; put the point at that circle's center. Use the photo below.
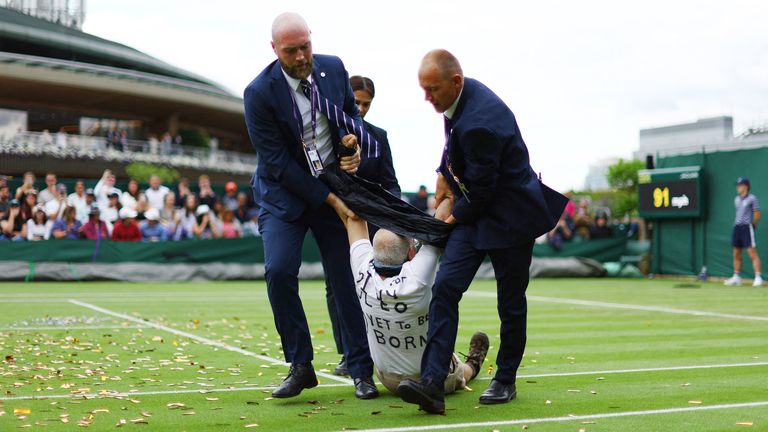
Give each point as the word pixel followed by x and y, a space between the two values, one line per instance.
pixel 671 193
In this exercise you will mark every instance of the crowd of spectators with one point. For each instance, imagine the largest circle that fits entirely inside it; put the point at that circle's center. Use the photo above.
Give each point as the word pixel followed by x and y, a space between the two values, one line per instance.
pixel 104 212
pixel 580 223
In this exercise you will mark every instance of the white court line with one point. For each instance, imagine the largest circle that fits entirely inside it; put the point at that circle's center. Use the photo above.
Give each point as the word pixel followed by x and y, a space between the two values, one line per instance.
pixel 571 418
pixel 236 389
pixel 626 371
pixel 65 327
pixel 148 393
pixel 627 306
pixel 200 339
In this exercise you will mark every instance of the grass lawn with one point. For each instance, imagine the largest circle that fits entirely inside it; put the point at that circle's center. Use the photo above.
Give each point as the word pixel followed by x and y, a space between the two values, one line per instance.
pixel 602 355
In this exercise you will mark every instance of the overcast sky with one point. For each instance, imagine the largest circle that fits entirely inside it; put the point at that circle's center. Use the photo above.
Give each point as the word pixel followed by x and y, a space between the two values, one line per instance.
pixel 582 77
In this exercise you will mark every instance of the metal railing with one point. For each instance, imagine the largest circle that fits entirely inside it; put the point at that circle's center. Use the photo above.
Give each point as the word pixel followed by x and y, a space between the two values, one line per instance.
pixel 125 151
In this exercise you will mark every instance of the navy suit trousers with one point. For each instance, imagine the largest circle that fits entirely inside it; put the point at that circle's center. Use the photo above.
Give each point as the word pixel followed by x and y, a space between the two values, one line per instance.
pixel 459 265
pixel 282 252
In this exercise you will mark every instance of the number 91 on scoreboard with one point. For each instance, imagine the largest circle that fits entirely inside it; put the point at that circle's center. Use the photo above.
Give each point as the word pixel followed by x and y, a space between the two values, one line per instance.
pixel 671 193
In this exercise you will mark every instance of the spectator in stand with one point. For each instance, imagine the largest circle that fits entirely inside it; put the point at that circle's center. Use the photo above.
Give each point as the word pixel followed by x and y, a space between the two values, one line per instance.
pixel 39 227
pixel 95 228
pixel 251 228
pixel 49 193
pixel 28 184
pixel 204 229
pixel 206 195
pixel 186 216
pixel 111 213
pixel 230 196
pixel 420 199
pixel 55 207
pixel 90 202
pixel 570 208
pixel 182 191
pixel 130 197
pixel 5 198
pixel 154 144
pixel 151 229
pixel 228 226
pixel 67 227
pixel 15 227
pixel 104 187
pixel 142 205
pixel 165 144
pixel 582 219
pixel 601 230
pixel 156 192
pixel 28 205
pixel 77 199
pixel 168 209
pixel 127 229
pixel 243 211
pixel 561 233
pixel 61 139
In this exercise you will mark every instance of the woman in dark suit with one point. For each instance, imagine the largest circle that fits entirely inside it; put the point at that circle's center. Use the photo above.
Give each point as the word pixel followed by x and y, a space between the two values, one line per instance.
pixel 377 170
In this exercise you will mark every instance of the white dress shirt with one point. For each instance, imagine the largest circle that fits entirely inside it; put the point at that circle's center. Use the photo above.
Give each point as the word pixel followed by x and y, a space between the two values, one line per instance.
pixel 324 143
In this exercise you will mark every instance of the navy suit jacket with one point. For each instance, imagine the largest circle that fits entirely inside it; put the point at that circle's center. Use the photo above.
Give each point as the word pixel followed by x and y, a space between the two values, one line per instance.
pixel 283 184
pixel 379 170
pixel 506 204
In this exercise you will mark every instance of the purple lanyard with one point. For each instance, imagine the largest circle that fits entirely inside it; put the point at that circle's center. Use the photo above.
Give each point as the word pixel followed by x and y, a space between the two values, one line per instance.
pixel 313 114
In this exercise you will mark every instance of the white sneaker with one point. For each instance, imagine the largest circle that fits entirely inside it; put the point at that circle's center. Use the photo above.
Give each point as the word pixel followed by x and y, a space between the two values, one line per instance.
pixel 733 281
pixel 758 281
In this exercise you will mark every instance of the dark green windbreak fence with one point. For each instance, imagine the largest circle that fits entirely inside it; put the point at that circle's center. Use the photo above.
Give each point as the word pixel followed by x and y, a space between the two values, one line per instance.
pixel 241 251
pixel 684 246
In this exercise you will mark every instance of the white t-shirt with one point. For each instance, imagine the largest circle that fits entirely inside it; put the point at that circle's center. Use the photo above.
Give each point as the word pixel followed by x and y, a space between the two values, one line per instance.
pixel 39 231
pixel 395 309
pixel 102 191
pixel 155 197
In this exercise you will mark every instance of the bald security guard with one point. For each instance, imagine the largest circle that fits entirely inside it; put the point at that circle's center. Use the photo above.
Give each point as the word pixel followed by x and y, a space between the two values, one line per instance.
pixel 501 207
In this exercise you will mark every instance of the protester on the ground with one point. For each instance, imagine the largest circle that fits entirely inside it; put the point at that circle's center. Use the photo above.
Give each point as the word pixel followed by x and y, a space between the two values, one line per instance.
pixel 67 227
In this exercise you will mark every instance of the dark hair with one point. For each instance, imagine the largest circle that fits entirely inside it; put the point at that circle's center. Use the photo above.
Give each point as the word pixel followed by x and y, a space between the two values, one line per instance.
pixel 358 82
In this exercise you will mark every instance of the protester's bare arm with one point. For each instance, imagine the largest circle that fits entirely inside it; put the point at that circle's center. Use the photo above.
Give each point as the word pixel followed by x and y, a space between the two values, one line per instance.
pixel 357 229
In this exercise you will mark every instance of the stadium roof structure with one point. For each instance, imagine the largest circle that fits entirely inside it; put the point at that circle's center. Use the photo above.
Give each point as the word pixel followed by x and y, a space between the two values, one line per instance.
pixel 45 64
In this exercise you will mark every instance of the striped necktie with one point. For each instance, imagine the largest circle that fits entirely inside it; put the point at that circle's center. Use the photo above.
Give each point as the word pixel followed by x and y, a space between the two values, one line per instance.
pixel 369 146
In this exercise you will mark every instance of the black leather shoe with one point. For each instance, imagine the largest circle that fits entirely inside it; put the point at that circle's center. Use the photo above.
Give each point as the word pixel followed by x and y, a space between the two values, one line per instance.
pixel 429 397
pixel 498 393
pixel 300 377
pixel 341 368
pixel 365 388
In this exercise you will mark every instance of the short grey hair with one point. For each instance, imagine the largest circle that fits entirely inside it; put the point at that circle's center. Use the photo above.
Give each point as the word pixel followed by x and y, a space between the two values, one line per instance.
pixel 389 248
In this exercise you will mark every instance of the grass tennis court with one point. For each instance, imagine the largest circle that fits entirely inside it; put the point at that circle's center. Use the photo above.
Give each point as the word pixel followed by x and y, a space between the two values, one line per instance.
pixel 602 355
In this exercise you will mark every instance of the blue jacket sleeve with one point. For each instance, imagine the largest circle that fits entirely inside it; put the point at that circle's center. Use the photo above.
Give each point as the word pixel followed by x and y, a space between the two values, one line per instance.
pixel 482 150
pixel 350 107
pixel 387 174
pixel 275 161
